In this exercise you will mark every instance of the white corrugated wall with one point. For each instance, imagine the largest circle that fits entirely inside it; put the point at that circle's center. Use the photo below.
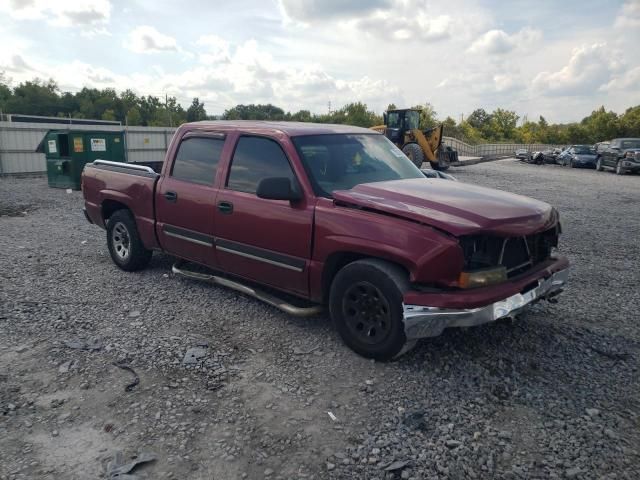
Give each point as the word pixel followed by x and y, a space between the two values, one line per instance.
pixel 18 142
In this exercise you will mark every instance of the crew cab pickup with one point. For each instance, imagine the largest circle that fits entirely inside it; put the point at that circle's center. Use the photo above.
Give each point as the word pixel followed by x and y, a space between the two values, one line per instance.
pixel 305 216
pixel 622 155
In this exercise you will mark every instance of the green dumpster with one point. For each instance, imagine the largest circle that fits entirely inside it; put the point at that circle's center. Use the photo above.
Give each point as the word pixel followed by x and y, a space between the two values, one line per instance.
pixel 67 152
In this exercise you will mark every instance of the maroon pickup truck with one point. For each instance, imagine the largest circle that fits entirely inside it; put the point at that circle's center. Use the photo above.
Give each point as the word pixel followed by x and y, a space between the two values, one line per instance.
pixel 303 216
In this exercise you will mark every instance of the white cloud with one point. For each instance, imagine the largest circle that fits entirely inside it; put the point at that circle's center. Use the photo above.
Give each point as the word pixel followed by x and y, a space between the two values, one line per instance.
pixel 216 49
pixel 146 39
pixel 629 80
pixel 589 68
pixel 242 73
pixel 499 42
pixel 484 83
pixel 311 11
pixel 398 20
pixel 629 15
pixel 391 25
pixel 91 15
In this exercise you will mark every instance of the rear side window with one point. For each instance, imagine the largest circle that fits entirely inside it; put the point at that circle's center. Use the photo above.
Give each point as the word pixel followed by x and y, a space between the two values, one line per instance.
pixel 257 158
pixel 197 160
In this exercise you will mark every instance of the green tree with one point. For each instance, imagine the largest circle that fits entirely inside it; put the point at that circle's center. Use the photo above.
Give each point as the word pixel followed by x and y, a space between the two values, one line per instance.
pixel 357 114
pixel 470 134
pixel 630 122
pixel 479 119
pixel 428 116
pixel 302 116
pixel 196 111
pixel 5 92
pixel 109 114
pixel 601 125
pixel 34 98
pixel 133 117
pixel 503 124
pixel 451 128
pixel 254 112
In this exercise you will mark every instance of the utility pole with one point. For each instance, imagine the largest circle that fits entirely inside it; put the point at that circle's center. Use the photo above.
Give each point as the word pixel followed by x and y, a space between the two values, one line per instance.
pixel 166 106
pixel 329 104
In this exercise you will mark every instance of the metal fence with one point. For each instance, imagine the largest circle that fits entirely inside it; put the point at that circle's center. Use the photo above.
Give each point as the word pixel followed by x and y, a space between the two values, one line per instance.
pixel 18 142
pixel 492 149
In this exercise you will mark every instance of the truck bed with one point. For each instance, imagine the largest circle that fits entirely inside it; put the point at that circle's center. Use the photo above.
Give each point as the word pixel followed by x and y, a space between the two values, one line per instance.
pixel 109 186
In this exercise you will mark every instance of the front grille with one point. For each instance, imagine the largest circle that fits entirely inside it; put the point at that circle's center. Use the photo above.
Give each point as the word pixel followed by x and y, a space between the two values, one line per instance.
pixel 516 254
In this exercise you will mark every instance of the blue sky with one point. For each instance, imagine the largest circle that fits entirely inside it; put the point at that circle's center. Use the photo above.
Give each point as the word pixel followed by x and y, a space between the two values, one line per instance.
pixel 558 59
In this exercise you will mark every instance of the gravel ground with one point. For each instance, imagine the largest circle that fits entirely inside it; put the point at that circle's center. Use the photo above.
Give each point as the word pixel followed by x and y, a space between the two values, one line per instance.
pixel 555 394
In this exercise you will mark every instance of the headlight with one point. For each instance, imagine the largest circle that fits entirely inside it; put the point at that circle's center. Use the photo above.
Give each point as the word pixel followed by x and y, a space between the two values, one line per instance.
pixel 630 154
pixel 482 278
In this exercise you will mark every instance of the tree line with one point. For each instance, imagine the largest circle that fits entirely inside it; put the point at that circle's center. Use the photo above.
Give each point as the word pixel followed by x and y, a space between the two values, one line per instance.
pixel 45 98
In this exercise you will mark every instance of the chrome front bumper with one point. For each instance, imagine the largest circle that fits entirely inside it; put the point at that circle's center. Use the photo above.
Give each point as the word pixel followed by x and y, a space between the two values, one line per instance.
pixel 421 321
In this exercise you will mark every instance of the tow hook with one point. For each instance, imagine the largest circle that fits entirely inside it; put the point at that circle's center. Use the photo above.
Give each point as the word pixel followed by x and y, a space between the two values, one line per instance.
pixel 551 298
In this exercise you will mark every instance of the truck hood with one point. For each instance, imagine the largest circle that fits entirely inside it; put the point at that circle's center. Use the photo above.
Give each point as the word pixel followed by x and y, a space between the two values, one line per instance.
pixel 455 207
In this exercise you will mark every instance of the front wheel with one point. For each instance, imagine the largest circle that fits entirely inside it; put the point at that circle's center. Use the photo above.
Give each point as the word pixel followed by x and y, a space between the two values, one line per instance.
pixel 365 303
pixel 126 249
pixel 619 169
pixel 599 164
pixel 415 153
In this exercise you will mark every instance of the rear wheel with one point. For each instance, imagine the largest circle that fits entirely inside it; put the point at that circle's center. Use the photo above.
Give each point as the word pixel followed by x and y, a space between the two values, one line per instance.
pixel 126 249
pixel 365 303
pixel 415 153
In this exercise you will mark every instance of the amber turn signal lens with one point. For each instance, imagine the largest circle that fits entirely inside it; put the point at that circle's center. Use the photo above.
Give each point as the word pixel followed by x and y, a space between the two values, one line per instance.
pixel 482 278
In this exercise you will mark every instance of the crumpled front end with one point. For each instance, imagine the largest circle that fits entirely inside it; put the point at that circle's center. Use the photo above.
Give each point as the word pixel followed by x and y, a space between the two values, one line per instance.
pixel 427 314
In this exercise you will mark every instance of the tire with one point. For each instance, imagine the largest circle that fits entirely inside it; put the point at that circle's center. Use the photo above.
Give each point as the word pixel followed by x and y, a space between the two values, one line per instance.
pixel 571 164
pixel 599 167
pixel 619 169
pixel 415 153
pixel 126 249
pixel 444 158
pixel 377 287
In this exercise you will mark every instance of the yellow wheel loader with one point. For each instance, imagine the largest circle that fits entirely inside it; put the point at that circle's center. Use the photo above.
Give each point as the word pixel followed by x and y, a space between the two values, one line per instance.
pixel 402 127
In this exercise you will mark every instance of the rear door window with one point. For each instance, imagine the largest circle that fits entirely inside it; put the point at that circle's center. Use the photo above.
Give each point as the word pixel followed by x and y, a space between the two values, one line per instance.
pixel 255 159
pixel 197 159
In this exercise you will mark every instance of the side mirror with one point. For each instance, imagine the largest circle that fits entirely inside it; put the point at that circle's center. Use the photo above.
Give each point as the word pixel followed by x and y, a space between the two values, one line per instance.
pixel 384 117
pixel 277 188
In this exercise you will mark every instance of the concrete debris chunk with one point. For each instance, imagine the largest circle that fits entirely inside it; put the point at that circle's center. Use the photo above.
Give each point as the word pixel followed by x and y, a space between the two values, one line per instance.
pixel 120 469
pixel 193 355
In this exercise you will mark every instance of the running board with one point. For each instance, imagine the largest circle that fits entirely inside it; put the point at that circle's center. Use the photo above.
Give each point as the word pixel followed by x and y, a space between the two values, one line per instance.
pixel 262 296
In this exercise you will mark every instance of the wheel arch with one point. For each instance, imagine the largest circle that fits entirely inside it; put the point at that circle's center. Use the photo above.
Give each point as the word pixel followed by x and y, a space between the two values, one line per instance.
pixel 110 206
pixel 338 260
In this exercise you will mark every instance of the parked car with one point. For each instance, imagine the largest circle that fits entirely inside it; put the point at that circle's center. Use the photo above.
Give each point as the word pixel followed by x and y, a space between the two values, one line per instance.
pixel 600 147
pixel 555 152
pixel 522 153
pixel 579 156
pixel 549 156
pixel 334 216
pixel 622 155
pixel 430 173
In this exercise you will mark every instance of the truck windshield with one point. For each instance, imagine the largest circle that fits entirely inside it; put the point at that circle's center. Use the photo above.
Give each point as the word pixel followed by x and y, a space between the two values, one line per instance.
pixel 635 143
pixel 342 161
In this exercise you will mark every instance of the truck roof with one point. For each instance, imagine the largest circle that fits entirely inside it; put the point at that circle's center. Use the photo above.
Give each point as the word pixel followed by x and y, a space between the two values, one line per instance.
pixel 291 129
